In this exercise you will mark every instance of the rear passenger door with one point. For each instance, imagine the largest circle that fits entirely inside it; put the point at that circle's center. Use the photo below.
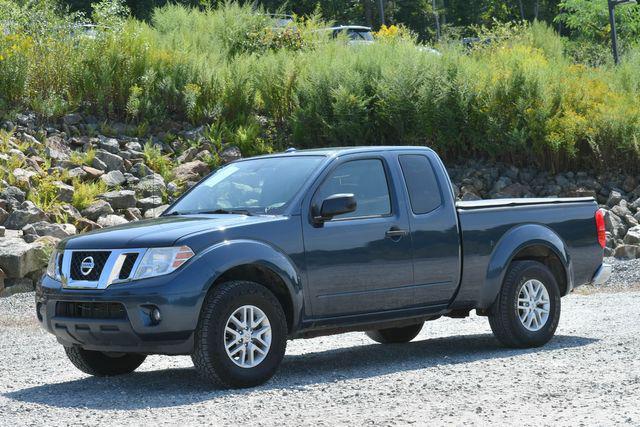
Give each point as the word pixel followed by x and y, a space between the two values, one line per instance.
pixel 434 227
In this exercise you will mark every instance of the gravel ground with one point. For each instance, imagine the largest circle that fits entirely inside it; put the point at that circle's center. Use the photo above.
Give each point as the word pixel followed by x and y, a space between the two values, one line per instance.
pixel 453 373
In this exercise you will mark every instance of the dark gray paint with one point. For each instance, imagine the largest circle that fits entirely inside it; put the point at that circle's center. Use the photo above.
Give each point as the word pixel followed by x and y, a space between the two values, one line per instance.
pixel 342 275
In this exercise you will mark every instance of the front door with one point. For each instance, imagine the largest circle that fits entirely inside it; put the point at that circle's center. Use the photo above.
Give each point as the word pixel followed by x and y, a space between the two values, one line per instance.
pixel 360 261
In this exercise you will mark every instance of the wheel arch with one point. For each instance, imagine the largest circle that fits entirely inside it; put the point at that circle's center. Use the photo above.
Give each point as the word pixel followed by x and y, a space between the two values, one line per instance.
pixel 527 242
pixel 547 256
pixel 265 276
pixel 261 263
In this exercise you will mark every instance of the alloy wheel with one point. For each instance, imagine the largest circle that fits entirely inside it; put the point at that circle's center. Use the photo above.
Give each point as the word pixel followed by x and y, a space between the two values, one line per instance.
pixel 247 337
pixel 533 305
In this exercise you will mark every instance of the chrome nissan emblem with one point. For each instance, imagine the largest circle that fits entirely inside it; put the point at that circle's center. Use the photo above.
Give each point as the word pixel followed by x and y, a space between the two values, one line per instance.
pixel 86 266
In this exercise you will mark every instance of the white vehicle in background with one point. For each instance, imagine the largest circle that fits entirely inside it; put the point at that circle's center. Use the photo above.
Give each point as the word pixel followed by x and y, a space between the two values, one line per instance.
pixel 427 49
pixel 356 34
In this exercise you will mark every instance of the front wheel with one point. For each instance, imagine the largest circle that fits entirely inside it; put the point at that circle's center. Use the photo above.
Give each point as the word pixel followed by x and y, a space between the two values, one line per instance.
pixel 241 336
pixel 527 310
pixel 101 364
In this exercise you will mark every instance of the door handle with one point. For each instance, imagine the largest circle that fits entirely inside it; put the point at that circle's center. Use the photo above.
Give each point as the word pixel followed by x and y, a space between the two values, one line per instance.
pixel 395 233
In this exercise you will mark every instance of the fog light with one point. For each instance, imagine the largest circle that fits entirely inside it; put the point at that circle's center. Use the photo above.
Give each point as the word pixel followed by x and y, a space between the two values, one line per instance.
pixel 156 317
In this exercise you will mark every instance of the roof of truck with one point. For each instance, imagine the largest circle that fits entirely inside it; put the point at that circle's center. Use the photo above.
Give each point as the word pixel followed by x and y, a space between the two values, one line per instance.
pixel 339 151
pixel 349 27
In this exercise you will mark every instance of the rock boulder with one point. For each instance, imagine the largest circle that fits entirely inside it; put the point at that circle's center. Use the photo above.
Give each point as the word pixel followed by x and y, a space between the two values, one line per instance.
pixel 111 220
pixel 121 199
pixel 31 232
pixel 27 213
pixel 97 209
pixel 19 258
pixel 191 171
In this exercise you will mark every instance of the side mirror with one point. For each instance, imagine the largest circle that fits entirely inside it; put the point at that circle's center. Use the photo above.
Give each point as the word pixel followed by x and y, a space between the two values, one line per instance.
pixel 336 204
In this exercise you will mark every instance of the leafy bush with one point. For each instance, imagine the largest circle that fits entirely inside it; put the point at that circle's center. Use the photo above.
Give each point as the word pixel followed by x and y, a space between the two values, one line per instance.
pixel 44 193
pixel 590 19
pixel 158 162
pixel 589 53
pixel 83 158
pixel 522 97
pixel 86 193
pixel 14 63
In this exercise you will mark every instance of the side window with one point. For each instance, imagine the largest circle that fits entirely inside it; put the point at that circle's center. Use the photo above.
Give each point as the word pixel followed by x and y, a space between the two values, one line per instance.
pixel 366 180
pixel 422 186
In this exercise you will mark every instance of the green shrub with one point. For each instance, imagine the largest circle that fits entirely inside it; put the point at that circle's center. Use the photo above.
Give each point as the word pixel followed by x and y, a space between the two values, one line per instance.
pixel 158 162
pixel 14 64
pixel 86 193
pixel 529 96
pixel 83 158
pixel 44 193
pixel 275 81
pixel 7 167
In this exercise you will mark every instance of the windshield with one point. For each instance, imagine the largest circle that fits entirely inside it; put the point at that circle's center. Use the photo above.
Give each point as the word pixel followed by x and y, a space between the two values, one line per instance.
pixel 360 35
pixel 258 186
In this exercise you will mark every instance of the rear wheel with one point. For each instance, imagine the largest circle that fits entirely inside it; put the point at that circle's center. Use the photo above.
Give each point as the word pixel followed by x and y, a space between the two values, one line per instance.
pixel 102 364
pixel 395 335
pixel 527 310
pixel 241 336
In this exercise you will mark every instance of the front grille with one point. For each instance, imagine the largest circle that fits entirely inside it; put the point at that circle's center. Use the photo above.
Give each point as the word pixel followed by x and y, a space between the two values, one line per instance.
pixel 127 266
pixel 91 310
pixel 99 260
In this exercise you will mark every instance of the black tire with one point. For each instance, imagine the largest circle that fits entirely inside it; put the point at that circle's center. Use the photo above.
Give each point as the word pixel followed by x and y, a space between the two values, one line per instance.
pixel 210 356
pixel 503 315
pixel 395 335
pixel 101 364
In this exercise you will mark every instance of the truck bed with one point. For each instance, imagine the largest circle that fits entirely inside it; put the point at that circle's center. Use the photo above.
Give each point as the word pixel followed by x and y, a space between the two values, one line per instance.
pixel 493 203
pixel 491 230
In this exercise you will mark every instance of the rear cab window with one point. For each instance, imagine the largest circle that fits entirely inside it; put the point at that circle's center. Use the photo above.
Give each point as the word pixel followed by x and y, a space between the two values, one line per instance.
pixel 421 183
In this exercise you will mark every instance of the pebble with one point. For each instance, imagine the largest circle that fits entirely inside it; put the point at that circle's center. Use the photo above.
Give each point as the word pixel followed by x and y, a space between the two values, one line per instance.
pixel 453 373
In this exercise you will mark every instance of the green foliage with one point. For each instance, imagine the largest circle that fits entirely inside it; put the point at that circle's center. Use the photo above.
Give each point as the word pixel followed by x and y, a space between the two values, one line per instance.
pixel 44 193
pixel 5 140
pixel 586 52
pixel 247 138
pixel 110 13
pixel 590 19
pixel 83 158
pixel 7 166
pixel 14 65
pixel 86 193
pixel 521 98
pixel 158 162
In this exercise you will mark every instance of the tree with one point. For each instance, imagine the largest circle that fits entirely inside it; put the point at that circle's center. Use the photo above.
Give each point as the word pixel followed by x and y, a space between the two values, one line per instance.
pixel 141 9
pixel 589 19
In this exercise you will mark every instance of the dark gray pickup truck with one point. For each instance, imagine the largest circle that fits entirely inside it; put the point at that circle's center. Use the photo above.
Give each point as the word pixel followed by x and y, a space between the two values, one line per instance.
pixel 309 243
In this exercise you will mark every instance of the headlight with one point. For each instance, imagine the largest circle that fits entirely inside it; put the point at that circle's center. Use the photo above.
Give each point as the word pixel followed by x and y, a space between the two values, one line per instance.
pixel 52 267
pixel 159 261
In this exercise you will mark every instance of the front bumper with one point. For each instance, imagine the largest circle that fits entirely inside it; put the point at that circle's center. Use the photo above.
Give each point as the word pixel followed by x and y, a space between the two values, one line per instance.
pixel 132 329
pixel 602 274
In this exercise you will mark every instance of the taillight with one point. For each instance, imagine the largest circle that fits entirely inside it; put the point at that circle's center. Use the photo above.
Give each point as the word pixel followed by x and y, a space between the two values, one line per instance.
pixel 602 232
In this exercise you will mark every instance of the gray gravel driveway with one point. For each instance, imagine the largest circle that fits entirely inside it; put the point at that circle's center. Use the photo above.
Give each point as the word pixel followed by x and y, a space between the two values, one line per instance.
pixel 453 373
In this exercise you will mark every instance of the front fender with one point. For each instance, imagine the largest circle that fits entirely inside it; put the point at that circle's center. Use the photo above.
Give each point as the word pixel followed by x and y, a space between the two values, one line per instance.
pixel 226 255
pixel 512 242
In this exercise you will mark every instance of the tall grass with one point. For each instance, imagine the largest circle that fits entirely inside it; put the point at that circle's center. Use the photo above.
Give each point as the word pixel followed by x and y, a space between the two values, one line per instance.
pixel 521 99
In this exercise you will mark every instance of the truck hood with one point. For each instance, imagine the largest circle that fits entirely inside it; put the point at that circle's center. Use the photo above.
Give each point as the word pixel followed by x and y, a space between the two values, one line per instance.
pixel 162 231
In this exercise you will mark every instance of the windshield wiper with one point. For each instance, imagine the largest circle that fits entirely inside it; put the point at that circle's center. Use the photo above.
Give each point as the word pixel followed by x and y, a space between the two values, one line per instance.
pixel 227 212
pixel 216 211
